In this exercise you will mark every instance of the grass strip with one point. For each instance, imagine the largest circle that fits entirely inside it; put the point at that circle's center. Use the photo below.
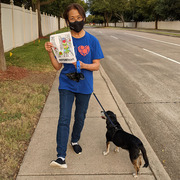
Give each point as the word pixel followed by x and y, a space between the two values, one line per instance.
pixel 21 102
pixel 173 33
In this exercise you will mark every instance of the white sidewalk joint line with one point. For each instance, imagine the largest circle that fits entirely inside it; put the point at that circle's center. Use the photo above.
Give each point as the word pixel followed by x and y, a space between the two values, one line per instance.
pixel 154 39
pixel 162 56
pixel 114 37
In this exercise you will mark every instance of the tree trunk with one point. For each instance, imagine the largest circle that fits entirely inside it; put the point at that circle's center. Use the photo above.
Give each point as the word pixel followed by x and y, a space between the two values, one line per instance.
pixel 38 7
pixel 122 18
pixel 107 17
pixel 104 21
pixel 59 23
pixel 156 22
pixel 136 24
pixel 33 7
pixel 2 58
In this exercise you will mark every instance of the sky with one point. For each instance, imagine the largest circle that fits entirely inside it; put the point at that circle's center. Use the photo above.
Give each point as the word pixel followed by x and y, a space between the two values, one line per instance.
pixel 87 13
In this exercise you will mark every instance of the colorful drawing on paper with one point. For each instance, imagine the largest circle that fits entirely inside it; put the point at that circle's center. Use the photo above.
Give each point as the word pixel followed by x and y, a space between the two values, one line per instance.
pixel 63 47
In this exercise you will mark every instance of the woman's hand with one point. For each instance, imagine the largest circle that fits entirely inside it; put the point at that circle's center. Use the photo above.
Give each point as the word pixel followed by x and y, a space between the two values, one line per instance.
pixel 81 64
pixel 91 67
pixel 48 47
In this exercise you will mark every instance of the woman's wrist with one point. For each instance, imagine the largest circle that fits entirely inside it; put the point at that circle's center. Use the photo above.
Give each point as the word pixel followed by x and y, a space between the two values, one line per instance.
pixel 50 52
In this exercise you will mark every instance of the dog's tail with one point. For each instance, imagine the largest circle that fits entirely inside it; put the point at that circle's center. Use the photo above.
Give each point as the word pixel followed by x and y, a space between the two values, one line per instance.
pixel 143 150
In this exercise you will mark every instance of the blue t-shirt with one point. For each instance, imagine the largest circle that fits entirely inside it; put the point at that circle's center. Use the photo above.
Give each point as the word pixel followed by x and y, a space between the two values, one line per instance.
pixel 87 49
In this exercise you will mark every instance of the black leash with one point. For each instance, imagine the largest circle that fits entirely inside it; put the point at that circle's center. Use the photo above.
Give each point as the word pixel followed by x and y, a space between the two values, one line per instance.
pixel 79 76
pixel 104 110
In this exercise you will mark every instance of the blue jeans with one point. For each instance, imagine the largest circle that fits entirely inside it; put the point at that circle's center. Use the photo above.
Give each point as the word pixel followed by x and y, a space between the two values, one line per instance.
pixel 66 102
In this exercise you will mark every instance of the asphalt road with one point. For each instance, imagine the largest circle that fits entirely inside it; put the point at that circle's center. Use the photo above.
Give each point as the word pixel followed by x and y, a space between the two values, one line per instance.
pixel 145 69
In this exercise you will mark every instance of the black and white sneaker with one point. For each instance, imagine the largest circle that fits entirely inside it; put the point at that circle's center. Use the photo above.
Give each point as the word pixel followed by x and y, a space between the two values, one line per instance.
pixel 58 163
pixel 77 148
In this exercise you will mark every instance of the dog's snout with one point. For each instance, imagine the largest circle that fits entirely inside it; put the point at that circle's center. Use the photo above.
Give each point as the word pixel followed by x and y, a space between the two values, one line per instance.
pixel 103 115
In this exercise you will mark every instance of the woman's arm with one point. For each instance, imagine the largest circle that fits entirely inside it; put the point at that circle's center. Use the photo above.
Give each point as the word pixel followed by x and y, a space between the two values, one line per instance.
pixel 48 47
pixel 91 67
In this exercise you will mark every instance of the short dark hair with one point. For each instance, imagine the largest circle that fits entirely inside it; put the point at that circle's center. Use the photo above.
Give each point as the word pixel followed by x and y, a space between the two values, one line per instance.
pixel 74 6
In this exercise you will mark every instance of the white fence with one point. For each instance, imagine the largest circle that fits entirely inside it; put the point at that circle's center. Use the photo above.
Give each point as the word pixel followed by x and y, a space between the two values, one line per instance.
pixel 168 25
pixel 20 26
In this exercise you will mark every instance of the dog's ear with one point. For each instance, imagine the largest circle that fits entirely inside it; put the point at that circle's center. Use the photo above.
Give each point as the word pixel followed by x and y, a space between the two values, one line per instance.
pixel 112 114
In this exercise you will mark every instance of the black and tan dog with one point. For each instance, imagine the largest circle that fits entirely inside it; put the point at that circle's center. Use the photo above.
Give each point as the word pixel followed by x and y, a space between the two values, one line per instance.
pixel 126 141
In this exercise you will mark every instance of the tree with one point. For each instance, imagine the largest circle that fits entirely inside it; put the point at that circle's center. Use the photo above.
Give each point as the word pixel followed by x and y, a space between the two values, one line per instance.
pixel 2 58
pixel 38 4
pixel 104 8
pixel 57 8
pixel 27 3
pixel 120 7
pixel 109 10
pixel 168 9
pixel 94 19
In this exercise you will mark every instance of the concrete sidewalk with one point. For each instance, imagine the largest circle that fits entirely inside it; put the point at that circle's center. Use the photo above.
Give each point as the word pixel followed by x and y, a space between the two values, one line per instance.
pixel 91 164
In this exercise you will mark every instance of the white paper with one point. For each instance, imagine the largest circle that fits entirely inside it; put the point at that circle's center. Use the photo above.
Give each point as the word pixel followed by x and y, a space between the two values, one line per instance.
pixel 63 47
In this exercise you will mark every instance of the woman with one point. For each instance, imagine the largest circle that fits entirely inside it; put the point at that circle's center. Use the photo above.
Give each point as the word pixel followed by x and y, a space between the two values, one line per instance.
pixel 89 53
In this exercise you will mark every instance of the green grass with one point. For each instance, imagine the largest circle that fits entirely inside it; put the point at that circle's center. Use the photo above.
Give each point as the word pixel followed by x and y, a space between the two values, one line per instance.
pixel 21 103
pixel 32 56
pixel 18 97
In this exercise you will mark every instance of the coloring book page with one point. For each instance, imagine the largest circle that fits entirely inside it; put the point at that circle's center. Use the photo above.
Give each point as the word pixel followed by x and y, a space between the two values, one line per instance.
pixel 63 47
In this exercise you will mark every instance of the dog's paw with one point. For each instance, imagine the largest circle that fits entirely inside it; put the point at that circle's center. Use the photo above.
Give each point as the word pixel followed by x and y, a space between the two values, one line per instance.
pixel 135 175
pixel 105 153
pixel 116 149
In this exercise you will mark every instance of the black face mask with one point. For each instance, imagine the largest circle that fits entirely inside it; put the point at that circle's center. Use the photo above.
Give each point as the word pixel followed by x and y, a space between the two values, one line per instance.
pixel 76 26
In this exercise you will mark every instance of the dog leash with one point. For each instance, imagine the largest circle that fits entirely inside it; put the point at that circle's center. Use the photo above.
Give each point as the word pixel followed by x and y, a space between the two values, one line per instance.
pixel 78 69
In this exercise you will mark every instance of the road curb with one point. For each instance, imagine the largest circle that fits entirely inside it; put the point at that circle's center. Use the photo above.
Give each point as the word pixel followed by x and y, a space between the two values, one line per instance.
pixel 155 164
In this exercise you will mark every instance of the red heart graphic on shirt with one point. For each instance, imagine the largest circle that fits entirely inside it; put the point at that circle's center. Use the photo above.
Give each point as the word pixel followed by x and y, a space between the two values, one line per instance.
pixel 84 50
